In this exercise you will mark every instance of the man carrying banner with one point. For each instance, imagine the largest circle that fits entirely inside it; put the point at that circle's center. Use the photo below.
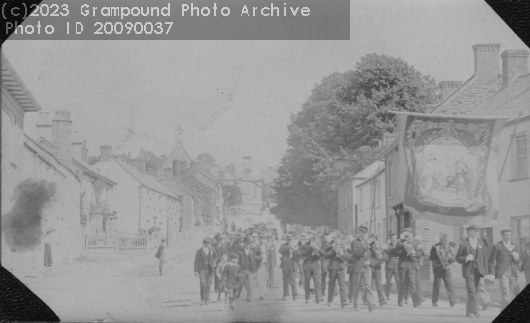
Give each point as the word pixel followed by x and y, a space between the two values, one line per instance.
pixel 503 263
pixel 441 257
pixel 474 266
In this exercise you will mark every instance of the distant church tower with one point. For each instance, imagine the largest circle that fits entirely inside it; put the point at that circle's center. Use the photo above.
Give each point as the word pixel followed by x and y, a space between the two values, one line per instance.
pixel 178 153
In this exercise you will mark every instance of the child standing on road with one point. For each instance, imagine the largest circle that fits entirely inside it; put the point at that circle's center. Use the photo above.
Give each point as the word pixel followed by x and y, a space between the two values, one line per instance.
pixel 219 273
pixel 230 277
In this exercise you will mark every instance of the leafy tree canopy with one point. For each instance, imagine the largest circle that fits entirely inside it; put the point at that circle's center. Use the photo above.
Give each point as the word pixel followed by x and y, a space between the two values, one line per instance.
pixel 232 196
pixel 337 132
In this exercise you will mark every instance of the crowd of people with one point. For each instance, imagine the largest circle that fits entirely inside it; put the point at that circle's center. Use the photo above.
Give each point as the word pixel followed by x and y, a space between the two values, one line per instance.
pixel 354 266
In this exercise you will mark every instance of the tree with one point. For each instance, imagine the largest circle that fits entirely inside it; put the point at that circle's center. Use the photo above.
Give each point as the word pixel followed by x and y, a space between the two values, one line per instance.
pixel 337 133
pixel 232 196
pixel 206 158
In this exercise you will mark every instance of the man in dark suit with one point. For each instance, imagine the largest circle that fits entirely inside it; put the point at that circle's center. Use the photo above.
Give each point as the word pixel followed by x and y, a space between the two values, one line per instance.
pixel 525 263
pixel 391 265
pixel 474 260
pixel 409 265
pixel 361 272
pixel 205 262
pixel 288 265
pixel 442 257
pixel 503 263
pixel 248 264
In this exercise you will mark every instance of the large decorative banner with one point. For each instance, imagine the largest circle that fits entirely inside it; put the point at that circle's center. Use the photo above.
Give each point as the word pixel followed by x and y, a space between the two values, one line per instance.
pixel 448 169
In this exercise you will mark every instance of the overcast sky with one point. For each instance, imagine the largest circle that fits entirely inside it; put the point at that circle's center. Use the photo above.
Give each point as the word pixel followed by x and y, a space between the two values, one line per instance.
pixel 234 98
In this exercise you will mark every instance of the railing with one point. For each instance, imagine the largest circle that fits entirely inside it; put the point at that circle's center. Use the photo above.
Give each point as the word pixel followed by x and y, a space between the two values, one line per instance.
pixel 100 242
pixel 94 242
pixel 134 242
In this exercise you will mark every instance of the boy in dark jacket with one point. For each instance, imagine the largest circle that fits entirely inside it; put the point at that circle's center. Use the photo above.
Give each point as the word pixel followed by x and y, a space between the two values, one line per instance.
pixel 231 276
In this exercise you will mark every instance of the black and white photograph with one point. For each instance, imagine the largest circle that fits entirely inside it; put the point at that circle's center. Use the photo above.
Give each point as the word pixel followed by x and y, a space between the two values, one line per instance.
pixel 379 173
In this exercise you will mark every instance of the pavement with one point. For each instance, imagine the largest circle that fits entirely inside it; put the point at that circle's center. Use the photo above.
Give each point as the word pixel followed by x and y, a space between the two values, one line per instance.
pixel 127 287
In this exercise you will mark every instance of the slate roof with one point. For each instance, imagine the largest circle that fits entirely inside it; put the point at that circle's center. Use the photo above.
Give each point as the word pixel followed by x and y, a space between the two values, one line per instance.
pixel 92 172
pixel 146 180
pixel 510 101
pixel 469 98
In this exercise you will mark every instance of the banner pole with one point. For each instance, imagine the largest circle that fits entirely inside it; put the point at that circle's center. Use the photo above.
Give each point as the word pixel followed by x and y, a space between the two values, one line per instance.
pixel 509 146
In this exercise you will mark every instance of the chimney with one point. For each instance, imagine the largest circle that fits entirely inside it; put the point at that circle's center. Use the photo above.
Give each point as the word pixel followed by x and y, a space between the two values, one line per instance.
pixel 449 87
pixel 106 153
pixel 486 61
pixel 514 63
pixel 84 152
pixel 167 167
pixel 62 137
pixel 44 126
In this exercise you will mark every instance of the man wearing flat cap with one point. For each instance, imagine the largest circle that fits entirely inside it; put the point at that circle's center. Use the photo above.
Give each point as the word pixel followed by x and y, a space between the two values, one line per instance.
pixel 289 266
pixel 205 261
pixel 408 265
pixel 361 271
pixel 442 257
pixel 504 264
pixel 471 254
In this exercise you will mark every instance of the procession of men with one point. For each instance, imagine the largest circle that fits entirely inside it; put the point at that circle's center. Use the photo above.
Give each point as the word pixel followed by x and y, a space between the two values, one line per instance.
pixel 313 265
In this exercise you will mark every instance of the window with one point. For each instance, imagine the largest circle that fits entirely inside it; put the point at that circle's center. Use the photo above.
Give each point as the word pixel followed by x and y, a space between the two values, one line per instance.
pixel 371 194
pixel 521 156
pixel 521 226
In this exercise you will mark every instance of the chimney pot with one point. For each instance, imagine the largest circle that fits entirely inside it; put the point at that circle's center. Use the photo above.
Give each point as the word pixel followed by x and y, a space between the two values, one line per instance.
pixel 62 137
pixel 486 61
pixel 449 87
pixel 514 63
pixel 106 153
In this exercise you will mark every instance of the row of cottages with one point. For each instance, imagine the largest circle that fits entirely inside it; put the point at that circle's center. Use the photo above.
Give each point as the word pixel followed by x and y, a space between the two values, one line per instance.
pixel 140 201
pixel 24 159
pixel 97 218
pixel 486 93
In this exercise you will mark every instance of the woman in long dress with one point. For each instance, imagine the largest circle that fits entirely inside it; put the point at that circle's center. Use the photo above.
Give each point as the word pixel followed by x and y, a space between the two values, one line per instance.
pixel 47 249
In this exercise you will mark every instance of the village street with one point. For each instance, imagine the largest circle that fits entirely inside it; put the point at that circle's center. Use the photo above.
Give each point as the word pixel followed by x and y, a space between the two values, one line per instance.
pixel 127 286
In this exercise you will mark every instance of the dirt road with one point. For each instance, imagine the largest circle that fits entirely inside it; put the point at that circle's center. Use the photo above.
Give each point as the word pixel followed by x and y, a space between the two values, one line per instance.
pixel 129 289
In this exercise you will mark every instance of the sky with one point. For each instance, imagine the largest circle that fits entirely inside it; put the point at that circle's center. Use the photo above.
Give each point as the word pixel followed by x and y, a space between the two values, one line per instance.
pixel 235 98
